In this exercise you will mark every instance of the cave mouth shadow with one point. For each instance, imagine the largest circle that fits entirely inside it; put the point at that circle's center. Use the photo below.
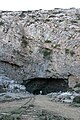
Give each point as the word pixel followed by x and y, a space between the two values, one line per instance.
pixel 46 85
pixel 37 91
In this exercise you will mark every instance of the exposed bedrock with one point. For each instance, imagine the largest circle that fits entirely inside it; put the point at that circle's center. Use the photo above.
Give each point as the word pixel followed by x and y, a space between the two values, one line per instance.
pixel 40 44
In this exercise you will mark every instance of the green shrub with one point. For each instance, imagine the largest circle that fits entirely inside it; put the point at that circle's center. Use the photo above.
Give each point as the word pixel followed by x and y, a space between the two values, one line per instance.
pixel 66 51
pixel 72 53
pixel 76 99
pixel 47 52
pixel 47 41
pixel 17 111
pixel 70 89
pixel 2 89
pixel 78 85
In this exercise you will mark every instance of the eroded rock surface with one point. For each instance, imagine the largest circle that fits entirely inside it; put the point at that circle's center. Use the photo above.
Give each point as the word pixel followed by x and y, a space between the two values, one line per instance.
pixel 40 43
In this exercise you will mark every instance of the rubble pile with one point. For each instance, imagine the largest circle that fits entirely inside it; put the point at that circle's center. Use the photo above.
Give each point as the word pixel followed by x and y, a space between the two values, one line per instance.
pixel 10 89
pixel 64 97
pixel 10 85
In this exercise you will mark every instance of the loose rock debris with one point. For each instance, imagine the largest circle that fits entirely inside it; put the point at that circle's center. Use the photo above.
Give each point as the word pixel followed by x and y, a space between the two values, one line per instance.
pixel 64 97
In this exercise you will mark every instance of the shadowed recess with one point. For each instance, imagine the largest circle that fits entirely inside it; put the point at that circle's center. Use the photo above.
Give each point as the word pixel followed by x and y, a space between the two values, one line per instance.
pixel 46 85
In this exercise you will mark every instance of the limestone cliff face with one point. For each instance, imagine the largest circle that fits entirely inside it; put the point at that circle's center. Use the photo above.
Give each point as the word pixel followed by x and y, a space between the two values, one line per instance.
pixel 40 43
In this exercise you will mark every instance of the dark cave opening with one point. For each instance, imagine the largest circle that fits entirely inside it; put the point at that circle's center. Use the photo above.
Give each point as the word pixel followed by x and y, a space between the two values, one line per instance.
pixel 46 85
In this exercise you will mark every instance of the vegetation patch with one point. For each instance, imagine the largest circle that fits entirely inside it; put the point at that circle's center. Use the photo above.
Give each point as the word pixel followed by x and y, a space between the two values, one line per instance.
pixel 48 71
pixel 76 99
pixel 1 23
pixel 9 117
pixel 24 42
pixel 47 20
pixel 47 52
pixel 68 51
pixel 22 15
pixel 17 111
pixel 61 20
pixel 2 89
pixel 78 85
pixel 47 41
pixel 72 53
pixel 74 21
pixel 52 16
pixel 56 46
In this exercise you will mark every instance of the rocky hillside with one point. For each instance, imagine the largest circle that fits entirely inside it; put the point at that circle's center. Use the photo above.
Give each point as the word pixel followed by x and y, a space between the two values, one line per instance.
pixel 40 43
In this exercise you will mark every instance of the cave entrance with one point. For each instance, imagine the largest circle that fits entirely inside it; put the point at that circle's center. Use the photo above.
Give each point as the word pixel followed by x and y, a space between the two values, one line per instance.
pixel 37 91
pixel 46 85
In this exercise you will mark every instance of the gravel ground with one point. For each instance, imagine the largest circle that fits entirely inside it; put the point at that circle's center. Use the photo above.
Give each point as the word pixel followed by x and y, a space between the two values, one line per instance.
pixel 38 108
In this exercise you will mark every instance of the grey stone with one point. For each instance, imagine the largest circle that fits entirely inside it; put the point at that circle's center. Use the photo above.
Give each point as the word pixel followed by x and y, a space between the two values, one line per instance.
pixel 40 43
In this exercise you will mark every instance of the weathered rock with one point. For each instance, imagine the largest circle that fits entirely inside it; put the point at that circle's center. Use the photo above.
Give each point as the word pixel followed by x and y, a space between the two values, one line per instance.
pixel 64 97
pixel 8 85
pixel 73 81
pixel 40 43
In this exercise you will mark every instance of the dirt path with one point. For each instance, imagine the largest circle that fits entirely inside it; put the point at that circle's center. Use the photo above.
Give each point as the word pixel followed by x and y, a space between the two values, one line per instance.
pixel 27 108
pixel 62 109
pixel 16 104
